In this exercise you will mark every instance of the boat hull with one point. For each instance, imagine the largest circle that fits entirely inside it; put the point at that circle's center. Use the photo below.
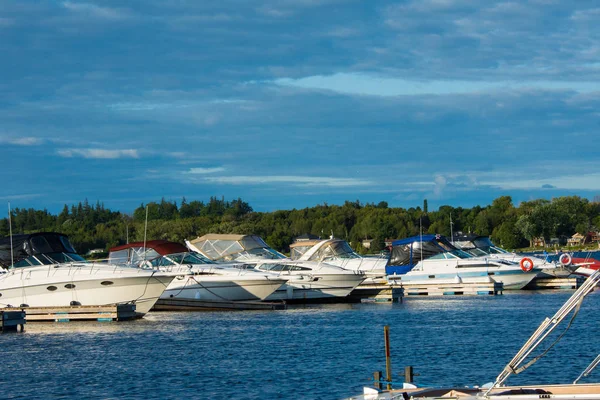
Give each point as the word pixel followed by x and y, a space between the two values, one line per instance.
pixel 63 286
pixel 219 288
pixel 318 286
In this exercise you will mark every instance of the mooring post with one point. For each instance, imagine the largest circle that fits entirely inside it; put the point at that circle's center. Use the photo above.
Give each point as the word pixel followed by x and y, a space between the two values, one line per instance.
pixel 377 379
pixel 388 357
pixel 408 374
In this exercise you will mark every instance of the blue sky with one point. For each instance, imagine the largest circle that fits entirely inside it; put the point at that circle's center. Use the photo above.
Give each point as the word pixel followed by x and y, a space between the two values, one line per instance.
pixel 288 104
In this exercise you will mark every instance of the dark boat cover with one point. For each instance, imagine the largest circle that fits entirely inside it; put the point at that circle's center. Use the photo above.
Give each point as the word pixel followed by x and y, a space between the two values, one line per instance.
pixel 26 245
pixel 406 253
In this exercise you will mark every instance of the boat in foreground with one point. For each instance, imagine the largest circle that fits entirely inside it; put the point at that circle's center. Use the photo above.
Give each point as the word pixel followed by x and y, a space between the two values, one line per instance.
pixel 43 270
pixel 497 390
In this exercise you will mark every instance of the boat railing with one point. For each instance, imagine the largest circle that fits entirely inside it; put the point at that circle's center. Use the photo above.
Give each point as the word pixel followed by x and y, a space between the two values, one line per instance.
pixel 542 332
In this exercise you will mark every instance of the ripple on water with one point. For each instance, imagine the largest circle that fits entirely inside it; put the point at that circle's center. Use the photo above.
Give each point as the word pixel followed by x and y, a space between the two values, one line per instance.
pixel 316 352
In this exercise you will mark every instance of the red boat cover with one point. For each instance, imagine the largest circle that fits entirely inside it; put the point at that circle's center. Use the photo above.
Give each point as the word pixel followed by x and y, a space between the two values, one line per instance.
pixel 162 247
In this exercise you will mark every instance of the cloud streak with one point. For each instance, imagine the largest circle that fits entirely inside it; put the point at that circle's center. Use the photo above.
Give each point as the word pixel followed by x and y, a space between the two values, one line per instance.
pixel 99 153
pixel 22 141
pixel 363 84
pixel 289 180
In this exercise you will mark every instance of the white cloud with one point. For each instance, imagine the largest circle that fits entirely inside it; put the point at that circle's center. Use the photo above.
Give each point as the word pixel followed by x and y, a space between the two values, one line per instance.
pixel 22 141
pixel 95 11
pixel 289 179
pixel 363 84
pixel 21 196
pixel 99 153
pixel 206 170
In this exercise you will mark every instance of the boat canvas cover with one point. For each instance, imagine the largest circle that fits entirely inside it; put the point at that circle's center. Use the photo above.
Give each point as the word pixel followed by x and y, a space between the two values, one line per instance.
pixel 406 253
pixel 298 250
pixel 335 248
pixel 140 251
pixel 217 247
pixel 26 245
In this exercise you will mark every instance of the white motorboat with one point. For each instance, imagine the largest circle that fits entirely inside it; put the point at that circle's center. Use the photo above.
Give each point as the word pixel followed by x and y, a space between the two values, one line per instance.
pixel 482 246
pixel 197 277
pixel 307 280
pixel 432 259
pixel 498 390
pixel 338 252
pixel 43 270
pixel 225 248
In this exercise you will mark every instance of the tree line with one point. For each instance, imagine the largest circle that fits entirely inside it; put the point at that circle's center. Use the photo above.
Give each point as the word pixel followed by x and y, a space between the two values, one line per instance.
pixel 92 226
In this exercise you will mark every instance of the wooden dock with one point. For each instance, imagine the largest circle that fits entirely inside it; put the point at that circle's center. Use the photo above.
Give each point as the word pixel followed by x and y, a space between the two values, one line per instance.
pixel 114 312
pixel 204 305
pixel 555 283
pixel 453 289
pixel 11 321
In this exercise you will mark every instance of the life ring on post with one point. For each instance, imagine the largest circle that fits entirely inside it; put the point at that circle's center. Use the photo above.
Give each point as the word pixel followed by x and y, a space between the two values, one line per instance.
pixel 526 264
pixel 565 259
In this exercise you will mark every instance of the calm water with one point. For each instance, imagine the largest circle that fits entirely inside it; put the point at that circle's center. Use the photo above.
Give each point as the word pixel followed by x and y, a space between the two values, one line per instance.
pixel 317 352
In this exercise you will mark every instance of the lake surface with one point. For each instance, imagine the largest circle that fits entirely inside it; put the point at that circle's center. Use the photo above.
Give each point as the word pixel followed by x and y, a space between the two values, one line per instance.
pixel 316 352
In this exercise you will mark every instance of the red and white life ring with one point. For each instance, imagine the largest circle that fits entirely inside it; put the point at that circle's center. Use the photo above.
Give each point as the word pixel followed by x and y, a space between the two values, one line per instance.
pixel 565 259
pixel 526 264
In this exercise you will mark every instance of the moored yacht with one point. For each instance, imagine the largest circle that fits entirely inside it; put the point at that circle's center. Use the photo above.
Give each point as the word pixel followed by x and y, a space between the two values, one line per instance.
pixel 338 252
pixel 43 270
pixel 197 277
pixel 523 359
pixel 431 258
pixel 226 247
pixel 482 246
pixel 306 280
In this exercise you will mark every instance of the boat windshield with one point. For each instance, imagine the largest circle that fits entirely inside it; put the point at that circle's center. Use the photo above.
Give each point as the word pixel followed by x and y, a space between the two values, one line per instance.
pixel 186 258
pixel 49 259
pixel 477 252
pixel 497 250
pixel 452 254
pixel 282 267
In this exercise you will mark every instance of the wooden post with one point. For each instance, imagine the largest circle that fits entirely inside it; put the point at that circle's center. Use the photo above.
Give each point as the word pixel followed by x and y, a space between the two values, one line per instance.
pixel 408 374
pixel 377 379
pixel 388 357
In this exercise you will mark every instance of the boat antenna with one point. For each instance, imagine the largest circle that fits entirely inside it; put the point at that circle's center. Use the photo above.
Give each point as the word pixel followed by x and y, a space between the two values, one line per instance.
pixel 451 230
pixel 421 236
pixel 145 232
pixel 12 262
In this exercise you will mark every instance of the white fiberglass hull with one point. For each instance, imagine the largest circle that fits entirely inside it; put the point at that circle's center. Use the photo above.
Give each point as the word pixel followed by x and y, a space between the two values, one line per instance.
pixel 81 284
pixel 318 286
pixel 372 266
pixel 512 277
pixel 221 288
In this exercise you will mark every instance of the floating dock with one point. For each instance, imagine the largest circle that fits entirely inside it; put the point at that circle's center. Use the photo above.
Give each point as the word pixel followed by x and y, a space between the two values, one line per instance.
pixel 204 305
pixel 453 289
pixel 11 321
pixel 555 283
pixel 114 312
pixel 377 293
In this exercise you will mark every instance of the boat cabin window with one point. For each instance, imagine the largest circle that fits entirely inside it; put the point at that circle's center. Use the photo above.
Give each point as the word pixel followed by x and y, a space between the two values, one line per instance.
pixel 282 267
